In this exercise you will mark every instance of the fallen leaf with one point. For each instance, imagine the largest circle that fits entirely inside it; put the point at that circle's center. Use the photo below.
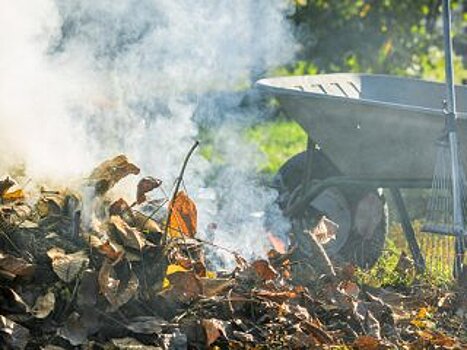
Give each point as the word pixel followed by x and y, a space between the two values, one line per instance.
pixel 106 248
pixel 146 185
pixel 14 196
pixel 350 288
pixel 13 335
pixel 44 305
pixel 11 302
pixel 186 285
pixel 438 339
pixel 78 327
pixel 315 330
pixel 215 286
pixel 405 265
pixel 280 296
pixel 119 207
pixel 213 329
pixel 301 340
pixel 172 268
pixel 325 230
pixel 108 173
pixel 146 224
pixel 244 337
pixel 16 266
pixel 129 237
pixel 348 272
pixel 110 250
pixel 5 185
pixel 264 270
pixel 67 266
pixel 131 344
pixel 183 218
pixel 146 325
pixel 366 342
pixel 88 289
pixel 116 292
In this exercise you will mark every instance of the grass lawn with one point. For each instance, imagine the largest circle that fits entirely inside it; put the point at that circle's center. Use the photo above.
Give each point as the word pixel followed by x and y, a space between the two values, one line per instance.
pixel 278 140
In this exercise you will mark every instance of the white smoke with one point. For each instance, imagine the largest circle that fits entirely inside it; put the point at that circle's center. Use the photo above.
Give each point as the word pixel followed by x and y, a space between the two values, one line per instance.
pixel 81 81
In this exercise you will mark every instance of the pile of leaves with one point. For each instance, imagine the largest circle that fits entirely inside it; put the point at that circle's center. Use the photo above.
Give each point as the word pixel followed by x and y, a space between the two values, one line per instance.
pixel 80 271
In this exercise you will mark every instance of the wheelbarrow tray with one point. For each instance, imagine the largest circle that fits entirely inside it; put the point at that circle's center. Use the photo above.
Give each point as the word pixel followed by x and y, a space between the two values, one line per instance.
pixel 371 126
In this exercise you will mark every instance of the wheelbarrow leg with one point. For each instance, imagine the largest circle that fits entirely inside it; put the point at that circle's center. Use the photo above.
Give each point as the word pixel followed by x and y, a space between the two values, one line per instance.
pixel 310 150
pixel 408 229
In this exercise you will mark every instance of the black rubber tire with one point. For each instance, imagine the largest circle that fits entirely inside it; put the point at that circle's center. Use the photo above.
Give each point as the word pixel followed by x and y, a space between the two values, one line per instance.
pixel 363 252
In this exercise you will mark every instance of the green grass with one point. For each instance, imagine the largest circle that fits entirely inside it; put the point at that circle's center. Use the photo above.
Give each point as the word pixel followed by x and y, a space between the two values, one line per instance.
pixel 278 140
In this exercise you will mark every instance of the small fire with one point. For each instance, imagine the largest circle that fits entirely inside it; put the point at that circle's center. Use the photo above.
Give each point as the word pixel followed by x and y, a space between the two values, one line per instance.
pixel 277 243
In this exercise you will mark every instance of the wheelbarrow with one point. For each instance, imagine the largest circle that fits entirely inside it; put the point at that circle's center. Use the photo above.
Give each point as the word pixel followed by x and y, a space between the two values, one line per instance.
pixel 365 133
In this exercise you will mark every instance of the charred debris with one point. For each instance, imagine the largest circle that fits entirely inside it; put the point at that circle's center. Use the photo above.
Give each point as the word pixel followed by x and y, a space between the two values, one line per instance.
pixel 105 275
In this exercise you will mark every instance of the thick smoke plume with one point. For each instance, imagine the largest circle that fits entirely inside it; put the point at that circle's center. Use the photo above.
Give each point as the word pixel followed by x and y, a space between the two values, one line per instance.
pixel 81 81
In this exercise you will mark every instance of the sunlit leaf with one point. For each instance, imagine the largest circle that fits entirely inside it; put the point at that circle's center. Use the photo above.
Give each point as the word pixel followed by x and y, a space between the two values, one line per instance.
pixel 184 216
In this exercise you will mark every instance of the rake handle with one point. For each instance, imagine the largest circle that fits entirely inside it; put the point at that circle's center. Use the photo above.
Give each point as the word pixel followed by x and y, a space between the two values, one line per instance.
pixel 448 63
pixel 453 141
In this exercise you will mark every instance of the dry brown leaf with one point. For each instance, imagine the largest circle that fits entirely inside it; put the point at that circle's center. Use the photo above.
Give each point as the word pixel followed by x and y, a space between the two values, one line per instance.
pixel 405 265
pixel 116 292
pixel 183 219
pixel 186 285
pixel 44 305
pixel 325 230
pixel 279 297
pixel 348 272
pixel 437 339
pixel 108 173
pixel 67 266
pixel 316 331
pixel 146 185
pixel 215 286
pixel 106 248
pixel 264 270
pixel 350 288
pixel 301 340
pixel 51 204
pixel 111 251
pixel 366 342
pixel 5 185
pixel 213 328
pixel 119 207
pixel 129 236
pixel 15 266
pixel 145 223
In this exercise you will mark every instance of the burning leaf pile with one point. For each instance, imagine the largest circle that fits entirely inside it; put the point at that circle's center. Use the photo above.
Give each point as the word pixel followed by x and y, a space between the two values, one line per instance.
pixel 129 280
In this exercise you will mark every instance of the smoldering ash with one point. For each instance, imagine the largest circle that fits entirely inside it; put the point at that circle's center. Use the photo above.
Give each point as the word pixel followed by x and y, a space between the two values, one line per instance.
pixel 85 80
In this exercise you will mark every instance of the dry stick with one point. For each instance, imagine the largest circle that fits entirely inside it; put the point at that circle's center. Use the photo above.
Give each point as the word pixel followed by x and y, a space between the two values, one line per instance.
pixel 177 187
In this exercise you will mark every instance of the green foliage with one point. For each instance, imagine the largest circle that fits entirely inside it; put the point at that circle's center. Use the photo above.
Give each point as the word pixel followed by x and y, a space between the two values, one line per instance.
pixel 384 272
pixel 434 249
pixel 278 140
pixel 387 36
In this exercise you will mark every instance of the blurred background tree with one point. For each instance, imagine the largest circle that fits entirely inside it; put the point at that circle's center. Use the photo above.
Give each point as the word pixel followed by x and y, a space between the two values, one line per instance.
pixel 375 36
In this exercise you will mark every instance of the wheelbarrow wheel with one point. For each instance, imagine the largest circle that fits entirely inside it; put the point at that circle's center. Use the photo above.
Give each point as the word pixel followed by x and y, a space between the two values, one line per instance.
pixel 360 213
